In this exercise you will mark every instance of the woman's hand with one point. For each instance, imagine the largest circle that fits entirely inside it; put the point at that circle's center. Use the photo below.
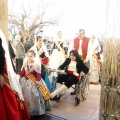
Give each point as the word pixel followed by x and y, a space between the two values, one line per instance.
pixel 2 82
pixel 66 56
pixel 48 70
pixel 58 72
pixel 37 84
pixel 82 73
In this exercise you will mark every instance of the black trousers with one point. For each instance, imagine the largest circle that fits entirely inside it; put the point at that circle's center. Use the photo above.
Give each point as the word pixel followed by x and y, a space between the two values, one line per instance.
pixel 19 63
pixel 68 79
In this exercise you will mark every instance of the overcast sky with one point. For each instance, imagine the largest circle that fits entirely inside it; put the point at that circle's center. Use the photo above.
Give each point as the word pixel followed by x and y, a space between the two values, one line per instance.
pixel 75 14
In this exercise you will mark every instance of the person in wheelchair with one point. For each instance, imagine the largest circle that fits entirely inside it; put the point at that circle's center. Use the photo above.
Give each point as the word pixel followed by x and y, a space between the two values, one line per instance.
pixel 74 68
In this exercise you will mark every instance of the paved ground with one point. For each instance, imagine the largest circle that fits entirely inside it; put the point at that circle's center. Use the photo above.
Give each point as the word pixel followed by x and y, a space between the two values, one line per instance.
pixel 87 109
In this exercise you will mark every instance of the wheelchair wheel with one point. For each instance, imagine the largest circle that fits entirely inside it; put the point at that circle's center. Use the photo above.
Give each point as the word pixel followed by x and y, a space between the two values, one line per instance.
pixel 77 101
pixel 85 88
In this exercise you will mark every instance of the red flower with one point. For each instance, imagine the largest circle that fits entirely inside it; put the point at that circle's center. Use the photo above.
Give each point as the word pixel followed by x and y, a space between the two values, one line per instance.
pixel 45 60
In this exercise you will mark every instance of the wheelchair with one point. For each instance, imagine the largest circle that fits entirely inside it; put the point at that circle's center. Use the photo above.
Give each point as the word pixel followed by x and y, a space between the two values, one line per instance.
pixel 81 88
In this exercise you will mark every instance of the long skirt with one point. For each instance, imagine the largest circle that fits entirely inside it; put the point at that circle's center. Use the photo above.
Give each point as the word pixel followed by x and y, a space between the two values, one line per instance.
pixel 10 106
pixel 33 98
pixel 57 58
pixel 53 80
pixel 94 70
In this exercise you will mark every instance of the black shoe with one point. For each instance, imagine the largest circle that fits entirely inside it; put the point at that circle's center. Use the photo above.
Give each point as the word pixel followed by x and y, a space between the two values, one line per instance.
pixel 56 98
pixel 73 93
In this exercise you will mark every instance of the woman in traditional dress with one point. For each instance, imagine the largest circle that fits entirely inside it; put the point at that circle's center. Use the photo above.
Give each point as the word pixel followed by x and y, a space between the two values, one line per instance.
pixel 12 105
pixel 42 53
pixel 93 56
pixel 30 80
pixel 74 68
pixel 59 52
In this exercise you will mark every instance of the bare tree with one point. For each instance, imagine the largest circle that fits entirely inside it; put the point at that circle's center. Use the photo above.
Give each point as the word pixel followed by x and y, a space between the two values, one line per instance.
pixel 29 24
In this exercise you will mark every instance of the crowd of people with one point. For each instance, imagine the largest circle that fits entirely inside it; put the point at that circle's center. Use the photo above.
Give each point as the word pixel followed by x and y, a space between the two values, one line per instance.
pixel 34 65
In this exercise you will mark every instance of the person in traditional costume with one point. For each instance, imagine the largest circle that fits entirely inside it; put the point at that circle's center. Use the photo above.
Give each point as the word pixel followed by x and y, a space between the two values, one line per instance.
pixel 59 53
pixel 81 45
pixel 74 68
pixel 41 52
pixel 33 86
pixel 93 56
pixel 12 105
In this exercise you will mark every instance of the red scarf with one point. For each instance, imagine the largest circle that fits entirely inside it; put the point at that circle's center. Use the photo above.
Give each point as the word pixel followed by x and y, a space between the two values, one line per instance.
pixel 84 45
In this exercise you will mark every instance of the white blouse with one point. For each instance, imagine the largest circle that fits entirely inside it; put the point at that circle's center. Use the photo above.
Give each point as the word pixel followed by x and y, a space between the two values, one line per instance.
pixel 72 66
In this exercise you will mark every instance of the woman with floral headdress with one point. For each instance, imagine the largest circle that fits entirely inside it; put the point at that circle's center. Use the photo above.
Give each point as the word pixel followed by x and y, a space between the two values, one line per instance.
pixel 93 56
pixel 59 53
pixel 42 53
pixel 30 80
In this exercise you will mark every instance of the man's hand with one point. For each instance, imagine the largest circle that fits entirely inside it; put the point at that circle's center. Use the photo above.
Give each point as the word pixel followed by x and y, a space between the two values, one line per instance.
pixel 2 82
pixel 82 73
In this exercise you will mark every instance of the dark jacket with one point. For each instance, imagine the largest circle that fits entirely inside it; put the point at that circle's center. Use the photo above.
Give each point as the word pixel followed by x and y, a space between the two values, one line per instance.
pixel 11 51
pixel 28 45
pixel 80 66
